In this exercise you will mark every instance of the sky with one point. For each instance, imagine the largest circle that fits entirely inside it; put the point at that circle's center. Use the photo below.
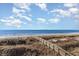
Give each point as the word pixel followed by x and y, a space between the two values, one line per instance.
pixel 39 16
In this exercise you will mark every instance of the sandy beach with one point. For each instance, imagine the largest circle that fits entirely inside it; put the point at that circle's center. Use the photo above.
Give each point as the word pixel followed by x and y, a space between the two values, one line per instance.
pixel 56 34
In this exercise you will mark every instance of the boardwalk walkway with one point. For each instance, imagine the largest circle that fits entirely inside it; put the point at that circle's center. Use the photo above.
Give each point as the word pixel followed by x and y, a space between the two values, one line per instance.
pixel 56 49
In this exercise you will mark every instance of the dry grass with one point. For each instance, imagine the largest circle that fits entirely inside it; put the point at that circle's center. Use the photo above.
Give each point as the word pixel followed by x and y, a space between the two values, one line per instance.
pixel 26 46
pixel 25 50
pixel 75 51
pixel 18 41
pixel 71 44
pixel 47 37
pixel 23 47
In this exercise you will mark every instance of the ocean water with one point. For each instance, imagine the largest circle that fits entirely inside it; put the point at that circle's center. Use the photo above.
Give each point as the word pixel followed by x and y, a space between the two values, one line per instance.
pixel 34 32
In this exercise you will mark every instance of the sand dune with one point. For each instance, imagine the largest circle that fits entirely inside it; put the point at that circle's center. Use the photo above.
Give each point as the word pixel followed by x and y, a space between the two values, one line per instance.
pixel 27 45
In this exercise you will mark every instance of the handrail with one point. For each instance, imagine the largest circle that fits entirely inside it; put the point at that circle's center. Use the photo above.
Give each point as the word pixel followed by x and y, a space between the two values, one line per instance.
pixel 55 47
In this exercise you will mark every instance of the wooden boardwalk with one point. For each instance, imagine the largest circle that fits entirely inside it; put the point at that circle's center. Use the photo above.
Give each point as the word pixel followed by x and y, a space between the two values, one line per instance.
pixel 57 51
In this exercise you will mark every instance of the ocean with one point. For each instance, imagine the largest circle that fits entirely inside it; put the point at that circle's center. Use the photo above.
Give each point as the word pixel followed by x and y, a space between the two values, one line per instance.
pixel 34 32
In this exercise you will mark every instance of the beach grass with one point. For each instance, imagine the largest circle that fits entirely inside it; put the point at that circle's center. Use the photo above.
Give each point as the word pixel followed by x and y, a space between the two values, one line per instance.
pixel 27 45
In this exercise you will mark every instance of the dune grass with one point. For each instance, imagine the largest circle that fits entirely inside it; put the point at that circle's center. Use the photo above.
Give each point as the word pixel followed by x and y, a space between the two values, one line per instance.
pixel 21 46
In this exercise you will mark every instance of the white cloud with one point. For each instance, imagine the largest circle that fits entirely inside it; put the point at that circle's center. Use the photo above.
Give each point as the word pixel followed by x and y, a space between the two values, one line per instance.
pixel 21 10
pixel 16 23
pixel 41 20
pixel 25 6
pixel 24 17
pixel 61 12
pixel 11 22
pixel 43 6
pixel 27 18
pixel 64 13
pixel 2 20
pixel 30 15
pixel 54 20
pixel 16 11
pixel 70 5
pixel 76 17
pixel 74 10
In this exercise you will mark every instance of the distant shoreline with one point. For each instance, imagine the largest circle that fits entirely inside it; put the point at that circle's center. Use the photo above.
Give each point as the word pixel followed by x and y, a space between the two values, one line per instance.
pixel 57 34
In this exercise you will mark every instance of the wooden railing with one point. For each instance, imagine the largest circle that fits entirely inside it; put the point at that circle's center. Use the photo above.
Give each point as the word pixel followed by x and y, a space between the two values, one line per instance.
pixel 56 49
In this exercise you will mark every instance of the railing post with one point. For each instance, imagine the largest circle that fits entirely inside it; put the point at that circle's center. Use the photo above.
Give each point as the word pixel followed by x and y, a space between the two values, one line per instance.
pixel 58 54
pixel 56 49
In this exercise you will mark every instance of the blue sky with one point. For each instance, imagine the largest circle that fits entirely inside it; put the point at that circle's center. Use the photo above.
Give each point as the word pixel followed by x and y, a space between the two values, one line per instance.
pixel 39 16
